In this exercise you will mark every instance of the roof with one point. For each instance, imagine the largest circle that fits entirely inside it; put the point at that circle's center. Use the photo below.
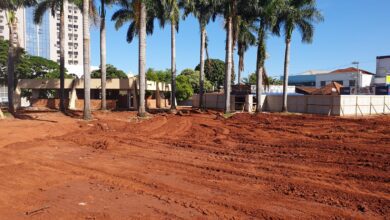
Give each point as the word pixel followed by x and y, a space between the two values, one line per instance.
pixel 330 89
pixel 305 90
pixel 382 57
pixel 351 70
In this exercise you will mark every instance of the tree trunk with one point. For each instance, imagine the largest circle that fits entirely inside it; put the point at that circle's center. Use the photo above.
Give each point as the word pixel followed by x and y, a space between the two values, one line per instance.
pixel 239 72
pixel 1 114
pixel 62 56
pixel 201 78
pixel 260 67
pixel 229 66
pixel 173 65
pixel 103 54
pixel 285 76
pixel 142 57
pixel 11 68
pixel 86 53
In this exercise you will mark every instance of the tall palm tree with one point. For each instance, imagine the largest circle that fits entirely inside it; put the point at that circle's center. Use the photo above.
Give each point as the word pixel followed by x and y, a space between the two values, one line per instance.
pixel 203 11
pixel 103 51
pixel 171 12
pixel 264 13
pixel 301 14
pixel 86 63
pixel 40 10
pixel 140 14
pixel 245 39
pixel 229 10
pixel 10 7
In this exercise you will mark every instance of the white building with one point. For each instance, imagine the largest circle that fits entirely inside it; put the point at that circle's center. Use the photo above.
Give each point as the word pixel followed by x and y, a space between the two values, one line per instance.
pixel 43 39
pixel 349 77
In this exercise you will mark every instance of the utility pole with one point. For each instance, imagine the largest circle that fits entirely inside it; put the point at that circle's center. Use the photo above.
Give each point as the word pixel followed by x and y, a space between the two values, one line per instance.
pixel 357 77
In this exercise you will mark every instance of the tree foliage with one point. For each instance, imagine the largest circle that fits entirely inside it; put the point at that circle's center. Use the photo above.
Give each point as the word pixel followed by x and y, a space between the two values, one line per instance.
pixel 215 72
pixel 29 67
pixel 111 71
pixel 251 80
pixel 159 75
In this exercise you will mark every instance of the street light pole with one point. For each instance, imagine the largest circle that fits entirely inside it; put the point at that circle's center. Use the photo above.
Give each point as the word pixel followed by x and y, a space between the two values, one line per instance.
pixel 357 77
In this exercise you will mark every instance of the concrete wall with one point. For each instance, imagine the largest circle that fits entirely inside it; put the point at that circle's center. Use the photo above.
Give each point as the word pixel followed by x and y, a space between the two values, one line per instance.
pixel 345 105
pixel 212 101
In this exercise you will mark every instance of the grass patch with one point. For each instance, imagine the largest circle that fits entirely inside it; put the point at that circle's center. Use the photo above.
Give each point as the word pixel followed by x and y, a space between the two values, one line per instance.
pixel 228 115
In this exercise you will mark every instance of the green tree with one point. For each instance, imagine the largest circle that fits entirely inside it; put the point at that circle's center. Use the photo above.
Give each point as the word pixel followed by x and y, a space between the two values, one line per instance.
pixel 53 6
pixel 301 14
pixel 245 39
pixel 103 51
pixel 159 75
pixel 214 71
pixel 184 89
pixel 264 14
pixel 10 7
pixel 171 13
pixel 111 73
pixel 140 14
pixel 193 79
pixel 203 11
pixel 252 80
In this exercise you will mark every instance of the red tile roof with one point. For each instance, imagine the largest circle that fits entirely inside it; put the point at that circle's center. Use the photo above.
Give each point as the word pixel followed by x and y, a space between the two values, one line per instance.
pixel 351 70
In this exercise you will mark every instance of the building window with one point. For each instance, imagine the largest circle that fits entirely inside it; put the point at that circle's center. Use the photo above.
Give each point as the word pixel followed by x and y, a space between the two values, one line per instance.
pixel 76 62
pixel 339 82
pixel 352 83
pixel 70 62
pixel 323 83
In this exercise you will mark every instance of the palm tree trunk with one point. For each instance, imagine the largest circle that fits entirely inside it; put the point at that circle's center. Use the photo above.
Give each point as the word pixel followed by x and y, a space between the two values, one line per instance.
pixel 142 57
pixel 260 67
pixel 285 76
pixel 229 59
pixel 86 53
pixel 62 56
pixel 11 68
pixel 239 71
pixel 103 54
pixel 173 65
pixel 201 78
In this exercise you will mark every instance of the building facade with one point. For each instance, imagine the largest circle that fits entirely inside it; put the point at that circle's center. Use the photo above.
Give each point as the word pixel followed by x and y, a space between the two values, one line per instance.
pixel 43 39
pixel 349 77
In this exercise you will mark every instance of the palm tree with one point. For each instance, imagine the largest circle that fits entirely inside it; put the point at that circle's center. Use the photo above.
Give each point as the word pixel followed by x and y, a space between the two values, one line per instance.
pixel 301 14
pixel 229 9
pixel 264 13
pixel 245 39
pixel 203 11
pixel 40 10
pixel 86 63
pixel 11 6
pixel 171 12
pixel 140 14
pixel 103 53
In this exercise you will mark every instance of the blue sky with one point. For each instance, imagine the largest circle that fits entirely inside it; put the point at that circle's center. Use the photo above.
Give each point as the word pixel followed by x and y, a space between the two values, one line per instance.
pixel 352 30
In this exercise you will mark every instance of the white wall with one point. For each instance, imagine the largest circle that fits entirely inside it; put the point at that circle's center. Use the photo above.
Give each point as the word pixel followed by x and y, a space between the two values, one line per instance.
pixel 364 79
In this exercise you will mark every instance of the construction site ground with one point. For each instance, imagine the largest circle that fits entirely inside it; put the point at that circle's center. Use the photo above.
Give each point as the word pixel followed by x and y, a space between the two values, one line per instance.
pixel 194 166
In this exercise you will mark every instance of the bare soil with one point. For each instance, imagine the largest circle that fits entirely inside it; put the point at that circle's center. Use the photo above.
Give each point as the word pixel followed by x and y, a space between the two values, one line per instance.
pixel 194 166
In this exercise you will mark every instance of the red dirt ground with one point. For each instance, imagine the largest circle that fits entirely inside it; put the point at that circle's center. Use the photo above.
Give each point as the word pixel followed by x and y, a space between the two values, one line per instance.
pixel 196 166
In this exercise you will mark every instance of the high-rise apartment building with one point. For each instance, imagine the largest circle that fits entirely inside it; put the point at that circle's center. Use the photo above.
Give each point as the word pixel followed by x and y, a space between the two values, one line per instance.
pixel 43 39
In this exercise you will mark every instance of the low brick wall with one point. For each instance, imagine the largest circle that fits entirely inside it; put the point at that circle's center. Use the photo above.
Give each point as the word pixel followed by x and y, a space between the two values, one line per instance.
pixel 96 104
pixel 47 103
pixel 152 103
pixel 55 103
